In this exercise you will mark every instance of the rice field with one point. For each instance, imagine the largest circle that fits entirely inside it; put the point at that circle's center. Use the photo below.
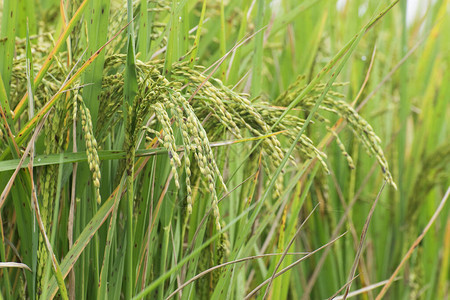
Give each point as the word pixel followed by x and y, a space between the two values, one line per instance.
pixel 224 149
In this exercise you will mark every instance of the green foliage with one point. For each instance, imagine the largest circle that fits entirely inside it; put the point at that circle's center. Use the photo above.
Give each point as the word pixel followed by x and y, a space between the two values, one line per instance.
pixel 159 149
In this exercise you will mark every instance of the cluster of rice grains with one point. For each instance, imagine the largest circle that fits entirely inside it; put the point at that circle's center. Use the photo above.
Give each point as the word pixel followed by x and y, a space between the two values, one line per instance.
pixel 219 107
pixel 233 112
pixel 91 146
pixel 214 110
pixel 163 97
pixel 333 103
pixel 208 114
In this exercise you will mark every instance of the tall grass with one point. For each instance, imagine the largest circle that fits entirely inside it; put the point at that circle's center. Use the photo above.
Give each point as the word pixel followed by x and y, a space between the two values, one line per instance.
pixel 224 150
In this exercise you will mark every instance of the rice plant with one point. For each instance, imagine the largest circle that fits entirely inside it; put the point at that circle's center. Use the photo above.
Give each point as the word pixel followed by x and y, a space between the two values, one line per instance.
pixel 224 149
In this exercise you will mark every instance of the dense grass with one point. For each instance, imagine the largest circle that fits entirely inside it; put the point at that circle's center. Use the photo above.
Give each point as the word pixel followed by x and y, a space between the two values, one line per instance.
pixel 224 150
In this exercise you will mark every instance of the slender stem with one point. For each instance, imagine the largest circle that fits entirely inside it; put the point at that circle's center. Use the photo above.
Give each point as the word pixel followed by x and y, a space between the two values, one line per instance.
pixel 129 256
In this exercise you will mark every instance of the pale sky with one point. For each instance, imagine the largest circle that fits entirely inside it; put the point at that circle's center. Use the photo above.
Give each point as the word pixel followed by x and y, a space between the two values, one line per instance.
pixel 414 8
